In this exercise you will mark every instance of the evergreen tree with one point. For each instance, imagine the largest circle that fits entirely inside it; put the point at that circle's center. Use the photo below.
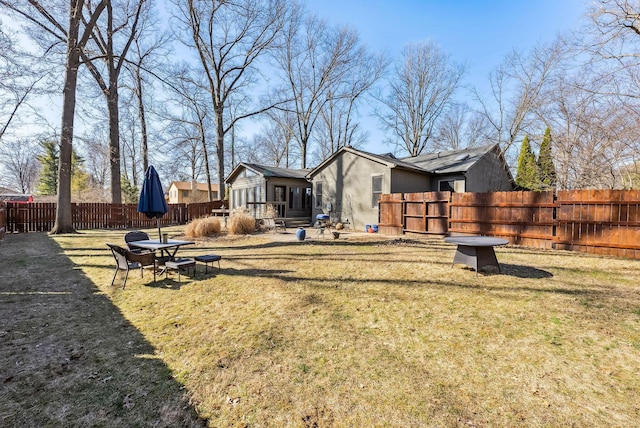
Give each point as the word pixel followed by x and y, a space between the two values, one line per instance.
pixel 129 191
pixel 546 168
pixel 527 174
pixel 48 180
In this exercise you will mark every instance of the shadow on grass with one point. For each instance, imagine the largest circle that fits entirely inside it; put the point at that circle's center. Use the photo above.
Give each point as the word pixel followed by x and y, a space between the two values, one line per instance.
pixel 520 271
pixel 69 357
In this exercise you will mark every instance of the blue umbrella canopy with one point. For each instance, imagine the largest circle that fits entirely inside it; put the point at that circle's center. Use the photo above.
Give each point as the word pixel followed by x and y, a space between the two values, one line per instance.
pixel 152 202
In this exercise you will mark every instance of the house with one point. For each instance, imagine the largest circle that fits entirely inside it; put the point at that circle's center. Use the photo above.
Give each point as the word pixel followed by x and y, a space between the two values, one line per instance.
pixel 253 187
pixel 185 192
pixel 348 184
pixel 10 195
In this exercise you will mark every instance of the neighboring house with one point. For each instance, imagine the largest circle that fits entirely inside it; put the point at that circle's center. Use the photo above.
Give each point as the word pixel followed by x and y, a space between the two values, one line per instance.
pixel 10 195
pixel 348 184
pixel 185 192
pixel 253 187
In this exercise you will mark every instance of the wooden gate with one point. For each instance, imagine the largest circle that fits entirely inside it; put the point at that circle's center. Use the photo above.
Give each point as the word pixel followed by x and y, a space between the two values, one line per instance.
pixel 425 212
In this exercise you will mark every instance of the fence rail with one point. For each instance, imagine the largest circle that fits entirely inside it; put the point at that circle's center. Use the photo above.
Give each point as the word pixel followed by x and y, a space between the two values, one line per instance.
pixel 596 221
pixel 40 217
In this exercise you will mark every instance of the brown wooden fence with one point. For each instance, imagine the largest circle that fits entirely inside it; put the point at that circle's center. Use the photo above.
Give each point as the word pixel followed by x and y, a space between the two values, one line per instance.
pixel 595 221
pixel 426 212
pixel 40 217
pixel 524 218
pixel 600 222
pixel 3 219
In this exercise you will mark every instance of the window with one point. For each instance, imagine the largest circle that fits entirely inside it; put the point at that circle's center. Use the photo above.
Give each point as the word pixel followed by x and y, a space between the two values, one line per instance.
pixel 294 197
pixel 446 186
pixel 185 193
pixel 451 185
pixel 376 190
pixel 299 198
pixel 319 194
pixel 235 198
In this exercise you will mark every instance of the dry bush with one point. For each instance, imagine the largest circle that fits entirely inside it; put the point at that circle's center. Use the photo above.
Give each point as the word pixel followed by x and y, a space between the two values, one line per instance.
pixel 241 224
pixel 270 211
pixel 203 227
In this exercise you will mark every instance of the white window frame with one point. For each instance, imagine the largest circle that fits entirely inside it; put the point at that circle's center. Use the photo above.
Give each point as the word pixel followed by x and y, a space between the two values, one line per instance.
pixel 318 195
pixel 375 194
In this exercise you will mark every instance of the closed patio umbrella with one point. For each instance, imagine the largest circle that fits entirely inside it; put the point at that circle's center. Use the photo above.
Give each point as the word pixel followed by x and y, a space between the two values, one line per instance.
pixel 152 202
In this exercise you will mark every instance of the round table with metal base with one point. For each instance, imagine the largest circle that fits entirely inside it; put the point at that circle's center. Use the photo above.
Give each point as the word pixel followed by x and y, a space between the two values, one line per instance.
pixel 476 251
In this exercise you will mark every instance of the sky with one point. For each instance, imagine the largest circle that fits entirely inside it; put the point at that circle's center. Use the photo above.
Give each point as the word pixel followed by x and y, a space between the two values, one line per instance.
pixel 476 32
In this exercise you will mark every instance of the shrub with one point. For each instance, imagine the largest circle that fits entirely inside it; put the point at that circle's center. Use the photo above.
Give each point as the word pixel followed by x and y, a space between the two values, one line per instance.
pixel 202 227
pixel 241 224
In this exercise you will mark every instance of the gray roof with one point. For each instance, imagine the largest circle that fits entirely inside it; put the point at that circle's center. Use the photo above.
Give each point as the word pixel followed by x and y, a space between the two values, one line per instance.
pixel 452 161
pixel 448 162
pixel 271 171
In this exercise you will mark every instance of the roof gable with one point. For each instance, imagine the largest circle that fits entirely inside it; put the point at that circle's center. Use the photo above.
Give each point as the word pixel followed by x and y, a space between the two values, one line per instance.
pixel 452 161
pixel 268 171
pixel 387 159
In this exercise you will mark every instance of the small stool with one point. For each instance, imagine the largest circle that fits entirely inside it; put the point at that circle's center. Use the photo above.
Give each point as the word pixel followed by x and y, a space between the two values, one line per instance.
pixel 208 258
pixel 179 264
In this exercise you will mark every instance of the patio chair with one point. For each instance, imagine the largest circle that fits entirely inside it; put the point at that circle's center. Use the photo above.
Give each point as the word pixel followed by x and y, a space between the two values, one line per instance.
pixel 274 225
pixel 136 235
pixel 127 260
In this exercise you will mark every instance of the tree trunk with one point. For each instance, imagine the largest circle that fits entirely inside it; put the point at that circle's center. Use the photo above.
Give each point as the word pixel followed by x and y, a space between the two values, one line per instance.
pixel 205 155
pixel 143 124
pixel 114 143
pixel 64 221
pixel 220 148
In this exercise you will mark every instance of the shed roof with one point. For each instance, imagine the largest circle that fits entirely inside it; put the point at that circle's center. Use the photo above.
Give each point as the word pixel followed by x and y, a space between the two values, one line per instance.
pixel 268 171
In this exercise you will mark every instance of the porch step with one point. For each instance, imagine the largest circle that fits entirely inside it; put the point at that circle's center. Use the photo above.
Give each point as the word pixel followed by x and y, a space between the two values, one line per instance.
pixel 297 222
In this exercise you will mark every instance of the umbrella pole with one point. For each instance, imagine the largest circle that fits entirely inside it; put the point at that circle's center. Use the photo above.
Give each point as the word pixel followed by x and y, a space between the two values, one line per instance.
pixel 159 234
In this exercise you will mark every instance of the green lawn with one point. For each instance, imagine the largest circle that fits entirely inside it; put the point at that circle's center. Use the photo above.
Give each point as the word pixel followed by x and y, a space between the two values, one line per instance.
pixel 360 331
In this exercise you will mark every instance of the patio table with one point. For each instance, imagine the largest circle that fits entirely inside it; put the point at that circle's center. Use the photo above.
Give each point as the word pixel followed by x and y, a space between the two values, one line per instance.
pixel 170 248
pixel 476 251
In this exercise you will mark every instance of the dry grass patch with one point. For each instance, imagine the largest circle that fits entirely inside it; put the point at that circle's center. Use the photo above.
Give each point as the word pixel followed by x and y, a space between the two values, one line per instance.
pixel 241 223
pixel 202 227
pixel 383 332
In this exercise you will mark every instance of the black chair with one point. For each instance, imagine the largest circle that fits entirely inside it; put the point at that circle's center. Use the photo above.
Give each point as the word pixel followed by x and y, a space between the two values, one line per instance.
pixel 136 235
pixel 127 260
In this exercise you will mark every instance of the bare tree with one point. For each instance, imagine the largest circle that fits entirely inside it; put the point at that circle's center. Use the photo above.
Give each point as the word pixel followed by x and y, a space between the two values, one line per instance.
pixel 147 59
pixel 325 70
pixel 191 116
pixel 273 145
pixel 110 43
pixel 339 125
pixel 518 90
pixel 17 79
pixel 20 165
pixel 82 15
pixel 419 92
pixel 230 38
pixel 460 127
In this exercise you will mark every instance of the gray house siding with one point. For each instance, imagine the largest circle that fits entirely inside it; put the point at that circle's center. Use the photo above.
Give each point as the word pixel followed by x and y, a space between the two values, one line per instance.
pixel 408 181
pixel 252 190
pixel 488 175
pixel 347 186
pixel 297 198
pixel 245 190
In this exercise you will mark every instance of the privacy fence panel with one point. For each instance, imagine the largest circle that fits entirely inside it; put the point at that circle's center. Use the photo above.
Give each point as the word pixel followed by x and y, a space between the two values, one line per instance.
pixel 524 218
pixel 426 212
pixel 41 217
pixel 3 219
pixel 599 221
pixel 390 211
